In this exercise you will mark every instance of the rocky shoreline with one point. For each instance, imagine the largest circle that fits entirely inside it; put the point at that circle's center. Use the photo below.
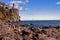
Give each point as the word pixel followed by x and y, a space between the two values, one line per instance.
pixel 9 31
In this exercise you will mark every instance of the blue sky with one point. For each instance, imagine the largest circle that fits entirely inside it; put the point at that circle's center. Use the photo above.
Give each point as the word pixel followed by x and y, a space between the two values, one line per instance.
pixel 40 10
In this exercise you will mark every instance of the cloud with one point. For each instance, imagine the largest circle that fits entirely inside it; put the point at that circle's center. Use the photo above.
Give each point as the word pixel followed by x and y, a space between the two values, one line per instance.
pixel 57 2
pixel 27 1
pixel 18 3
pixel 27 8
pixel 39 17
pixel 21 8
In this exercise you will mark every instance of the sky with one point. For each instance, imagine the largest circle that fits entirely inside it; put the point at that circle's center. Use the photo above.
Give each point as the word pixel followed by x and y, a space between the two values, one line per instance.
pixel 39 10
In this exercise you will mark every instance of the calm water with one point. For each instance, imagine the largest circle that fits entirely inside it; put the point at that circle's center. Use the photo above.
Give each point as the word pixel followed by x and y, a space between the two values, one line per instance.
pixel 42 22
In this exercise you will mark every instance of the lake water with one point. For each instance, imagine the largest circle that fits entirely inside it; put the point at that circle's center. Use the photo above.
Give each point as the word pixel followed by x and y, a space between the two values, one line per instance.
pixel 42 22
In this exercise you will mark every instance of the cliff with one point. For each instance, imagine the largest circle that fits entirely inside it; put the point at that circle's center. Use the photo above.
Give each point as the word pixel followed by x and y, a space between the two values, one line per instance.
pixel 8 13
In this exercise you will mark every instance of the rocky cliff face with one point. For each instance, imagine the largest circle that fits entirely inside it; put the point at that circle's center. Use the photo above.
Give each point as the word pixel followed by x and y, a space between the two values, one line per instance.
pixel 8 13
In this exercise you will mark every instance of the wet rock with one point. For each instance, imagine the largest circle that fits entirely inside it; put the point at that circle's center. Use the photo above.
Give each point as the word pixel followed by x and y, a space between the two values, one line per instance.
pixel 43 31
pixel 24 32
pixel 36 35
pixel 1 38
pixel 32 29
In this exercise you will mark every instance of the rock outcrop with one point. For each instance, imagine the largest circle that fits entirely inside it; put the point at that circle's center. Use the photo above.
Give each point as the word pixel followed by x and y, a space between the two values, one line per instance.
pixel 8 13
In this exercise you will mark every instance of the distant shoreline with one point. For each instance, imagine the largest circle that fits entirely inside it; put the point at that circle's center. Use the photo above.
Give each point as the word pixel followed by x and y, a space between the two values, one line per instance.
pixel 40 20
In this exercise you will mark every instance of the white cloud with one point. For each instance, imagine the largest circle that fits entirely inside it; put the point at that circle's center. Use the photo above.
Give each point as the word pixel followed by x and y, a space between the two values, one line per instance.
pixel 16 3
pixel 27 8
pixel 27 1
pixel 39 17
pixel 57 2
pixel 21 8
